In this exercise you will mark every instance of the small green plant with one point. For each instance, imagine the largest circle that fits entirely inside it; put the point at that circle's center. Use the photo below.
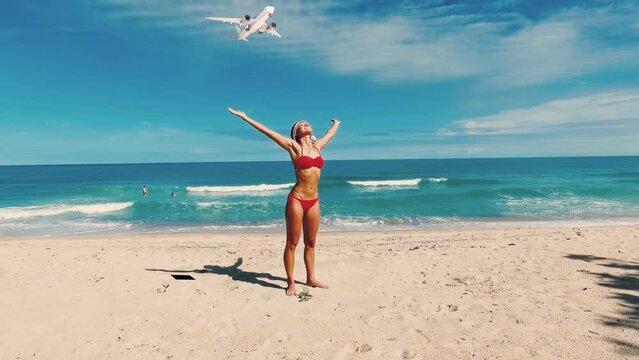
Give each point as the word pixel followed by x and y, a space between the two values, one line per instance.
pixel 304 295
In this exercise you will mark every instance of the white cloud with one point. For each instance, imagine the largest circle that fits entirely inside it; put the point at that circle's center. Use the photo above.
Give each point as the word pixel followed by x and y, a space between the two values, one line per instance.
pixel 142 143
pixel 605 109
pixel 578 142
pixel 543 51
pixel 206 150
pixel 416 44
pixel 146 134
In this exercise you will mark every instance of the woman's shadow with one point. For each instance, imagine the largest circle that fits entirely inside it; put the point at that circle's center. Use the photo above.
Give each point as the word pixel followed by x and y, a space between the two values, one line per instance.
pixel 235 273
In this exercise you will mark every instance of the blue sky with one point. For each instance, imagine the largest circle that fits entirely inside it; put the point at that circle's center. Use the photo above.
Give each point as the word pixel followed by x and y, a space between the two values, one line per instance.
pixel 109 81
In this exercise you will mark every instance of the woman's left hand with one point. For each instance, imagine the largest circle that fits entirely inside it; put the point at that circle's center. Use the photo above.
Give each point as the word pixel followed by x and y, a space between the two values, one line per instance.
pixel 336 122
pixel 236 112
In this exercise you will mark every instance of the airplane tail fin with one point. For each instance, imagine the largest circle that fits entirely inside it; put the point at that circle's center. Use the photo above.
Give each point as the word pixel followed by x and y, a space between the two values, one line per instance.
pixel 239 31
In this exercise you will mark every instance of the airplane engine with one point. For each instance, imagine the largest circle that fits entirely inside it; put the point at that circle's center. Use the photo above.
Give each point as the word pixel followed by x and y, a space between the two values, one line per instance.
pixel 247 17
pixel 273 25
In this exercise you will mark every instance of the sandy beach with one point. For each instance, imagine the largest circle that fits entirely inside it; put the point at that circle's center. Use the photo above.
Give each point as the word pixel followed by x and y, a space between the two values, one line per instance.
pixel 556 293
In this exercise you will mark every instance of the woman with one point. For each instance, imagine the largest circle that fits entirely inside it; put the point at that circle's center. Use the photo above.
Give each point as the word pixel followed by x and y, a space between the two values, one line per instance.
pixel 302 208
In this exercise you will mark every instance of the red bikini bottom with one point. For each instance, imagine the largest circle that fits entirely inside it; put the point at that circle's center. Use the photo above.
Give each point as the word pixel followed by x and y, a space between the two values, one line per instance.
pixel 306 204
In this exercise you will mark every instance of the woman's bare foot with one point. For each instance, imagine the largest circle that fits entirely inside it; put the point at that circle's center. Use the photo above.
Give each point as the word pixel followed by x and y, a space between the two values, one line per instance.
pixel 316 284
pixel 290 290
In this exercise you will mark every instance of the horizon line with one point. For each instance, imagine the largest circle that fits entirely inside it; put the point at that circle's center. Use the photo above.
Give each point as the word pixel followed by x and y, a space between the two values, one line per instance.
pixel 380 159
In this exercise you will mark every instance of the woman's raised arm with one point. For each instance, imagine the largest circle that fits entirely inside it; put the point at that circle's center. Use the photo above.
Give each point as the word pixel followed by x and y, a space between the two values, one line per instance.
pixel 321 143
pixel 281 140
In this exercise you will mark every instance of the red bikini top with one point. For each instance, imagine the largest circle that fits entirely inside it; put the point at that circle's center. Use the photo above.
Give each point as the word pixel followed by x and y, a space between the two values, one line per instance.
pixel 307 162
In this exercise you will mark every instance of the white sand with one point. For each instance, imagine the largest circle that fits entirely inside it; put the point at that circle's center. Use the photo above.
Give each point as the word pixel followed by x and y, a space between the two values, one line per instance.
pixel 468 294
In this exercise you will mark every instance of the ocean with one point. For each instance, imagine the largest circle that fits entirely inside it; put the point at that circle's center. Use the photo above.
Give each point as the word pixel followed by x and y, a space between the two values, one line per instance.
pixel 354 195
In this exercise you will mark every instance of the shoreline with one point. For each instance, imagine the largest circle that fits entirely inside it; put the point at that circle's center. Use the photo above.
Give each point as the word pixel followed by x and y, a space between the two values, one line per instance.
pixel 470 224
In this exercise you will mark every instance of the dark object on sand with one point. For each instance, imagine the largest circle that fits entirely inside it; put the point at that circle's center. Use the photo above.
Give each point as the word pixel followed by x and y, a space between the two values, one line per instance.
pixel 304 295
pixel 182 277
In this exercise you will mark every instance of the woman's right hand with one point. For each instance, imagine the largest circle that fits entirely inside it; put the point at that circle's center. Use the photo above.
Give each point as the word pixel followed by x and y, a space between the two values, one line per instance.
pixel 237 113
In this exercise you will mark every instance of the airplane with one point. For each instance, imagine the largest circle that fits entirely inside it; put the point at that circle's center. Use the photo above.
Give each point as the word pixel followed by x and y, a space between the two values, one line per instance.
pixel 246 27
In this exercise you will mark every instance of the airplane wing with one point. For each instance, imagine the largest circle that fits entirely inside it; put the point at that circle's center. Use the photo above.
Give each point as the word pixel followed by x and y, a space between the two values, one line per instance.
pixel 237 21
pixel 274 33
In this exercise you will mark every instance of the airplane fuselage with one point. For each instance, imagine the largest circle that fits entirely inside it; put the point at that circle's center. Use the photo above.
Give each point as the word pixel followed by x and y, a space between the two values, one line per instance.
pixel 254 26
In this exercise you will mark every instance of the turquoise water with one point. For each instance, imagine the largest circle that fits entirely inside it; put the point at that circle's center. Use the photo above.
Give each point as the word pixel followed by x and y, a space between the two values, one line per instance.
pixel 354 195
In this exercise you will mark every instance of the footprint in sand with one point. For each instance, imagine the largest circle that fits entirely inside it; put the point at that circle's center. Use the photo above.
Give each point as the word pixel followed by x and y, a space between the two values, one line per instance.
pixel 452 308
pixel 364 348
pixel 408 354
pixel 346 352
pixel 426 337
pixel 227 328
pixel 199 292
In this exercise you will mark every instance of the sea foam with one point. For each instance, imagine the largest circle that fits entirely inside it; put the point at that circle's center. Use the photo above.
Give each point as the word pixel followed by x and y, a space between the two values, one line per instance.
pixel 52 210
pixel 246 189
pixel 438 180
pixel 408 182
pixel 206 204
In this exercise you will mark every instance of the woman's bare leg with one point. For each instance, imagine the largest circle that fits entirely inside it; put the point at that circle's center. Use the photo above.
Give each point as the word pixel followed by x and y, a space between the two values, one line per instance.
pixel 311 223
pixel 293 215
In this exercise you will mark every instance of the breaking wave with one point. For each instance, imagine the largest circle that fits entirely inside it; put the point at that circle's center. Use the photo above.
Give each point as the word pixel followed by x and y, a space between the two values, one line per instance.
pixel 244 189
pixel 409 182
pixel 52 210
